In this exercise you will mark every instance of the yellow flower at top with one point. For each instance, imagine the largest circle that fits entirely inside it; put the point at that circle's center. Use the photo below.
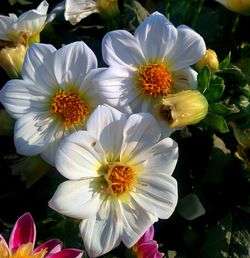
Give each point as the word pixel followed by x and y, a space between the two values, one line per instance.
pixel 238 6
pixel 210 58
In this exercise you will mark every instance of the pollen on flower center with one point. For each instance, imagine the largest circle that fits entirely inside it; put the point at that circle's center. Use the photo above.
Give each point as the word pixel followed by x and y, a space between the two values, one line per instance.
pixel 69 108
pixel 120 179
pixel 155 79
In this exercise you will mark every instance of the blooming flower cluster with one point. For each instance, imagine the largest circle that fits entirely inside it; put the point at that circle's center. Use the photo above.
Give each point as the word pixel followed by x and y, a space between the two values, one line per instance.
pixel 22 242
pixel 106 130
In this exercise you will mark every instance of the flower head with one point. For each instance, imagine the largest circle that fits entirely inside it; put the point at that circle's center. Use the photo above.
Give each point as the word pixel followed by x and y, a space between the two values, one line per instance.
pixel 238 6
pixel 120 179
pixel 24 29
pixel 148 65
pixel 54 98
pixel 146 247
pixel 75 11
pixel 22 242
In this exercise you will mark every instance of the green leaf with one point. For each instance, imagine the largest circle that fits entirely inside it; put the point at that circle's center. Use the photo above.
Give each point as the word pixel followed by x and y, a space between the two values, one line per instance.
pixel 204 77
pixel 221 109
pixel 217 122
pixel 22 2
pixel 215 89
pixel 226 61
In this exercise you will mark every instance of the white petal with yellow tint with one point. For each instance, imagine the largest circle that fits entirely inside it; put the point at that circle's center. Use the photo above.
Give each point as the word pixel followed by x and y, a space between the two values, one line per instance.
pixel 80 155
pixel 77 199
pixel 68 66
pixel 121 48
pixel 76 10
pixel 156 193
pixel 102 235
pixel 157 37
pixel 38 67
pixel 140 132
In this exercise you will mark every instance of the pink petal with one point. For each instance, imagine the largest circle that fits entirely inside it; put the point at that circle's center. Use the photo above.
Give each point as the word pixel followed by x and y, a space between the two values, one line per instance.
pixel 53 246
pixel 147 236
pixel 149 250
pixel 23 232
pixel 67 253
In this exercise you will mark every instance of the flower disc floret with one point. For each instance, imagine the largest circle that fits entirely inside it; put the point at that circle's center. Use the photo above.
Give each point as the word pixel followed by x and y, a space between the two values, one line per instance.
pixel 155 80
pixel 69 108
pixel 120 179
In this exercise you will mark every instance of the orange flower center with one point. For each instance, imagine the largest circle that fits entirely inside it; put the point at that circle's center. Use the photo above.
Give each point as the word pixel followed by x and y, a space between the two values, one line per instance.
pixel 120 179
pixel 69 108
pixel 155 80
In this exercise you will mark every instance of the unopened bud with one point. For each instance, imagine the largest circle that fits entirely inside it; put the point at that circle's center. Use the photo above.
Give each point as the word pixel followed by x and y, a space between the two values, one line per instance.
pixel 11 60
pixel 209 58
pixel 238 6
pixel 183 108
pixel 107 8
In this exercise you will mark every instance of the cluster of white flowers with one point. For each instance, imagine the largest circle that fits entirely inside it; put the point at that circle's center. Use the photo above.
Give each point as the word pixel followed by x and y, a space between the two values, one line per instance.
pixel 101 128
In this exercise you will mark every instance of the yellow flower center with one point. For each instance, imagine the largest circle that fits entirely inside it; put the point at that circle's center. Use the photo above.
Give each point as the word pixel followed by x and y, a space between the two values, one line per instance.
pixel 155 80
pixel 120 179
pixel 69 108
pixel 24 251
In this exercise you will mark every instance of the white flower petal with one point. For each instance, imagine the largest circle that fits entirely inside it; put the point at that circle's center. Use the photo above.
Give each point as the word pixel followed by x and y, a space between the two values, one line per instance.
pixel 135 221
pixel 38 66
pixel 121 48
pixel 49 153
pixel 79 155
pixel 73 61
pixel 102 235
pixel 189 49
pixel 140 132
pixel 5 25
pixel 20 97
pixel 157 37
pixel 106 123
pixel 116 87
pixel 156 193
pixel 76 10
pixel 185 79
pixel 76 199
pixel 160 158
pixel 32 20
pixel 30 137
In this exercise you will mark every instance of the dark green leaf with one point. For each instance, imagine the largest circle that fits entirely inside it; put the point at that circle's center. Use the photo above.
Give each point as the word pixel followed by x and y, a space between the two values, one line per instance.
pixel 225 62
pixel 215 89
pixel 22 2
pixel 217 122
pixel 204 78
pixel 219 108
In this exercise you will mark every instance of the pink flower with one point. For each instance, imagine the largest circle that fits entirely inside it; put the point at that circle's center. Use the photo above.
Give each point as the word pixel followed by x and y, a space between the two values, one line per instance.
pixel 22 242
pixel 146 247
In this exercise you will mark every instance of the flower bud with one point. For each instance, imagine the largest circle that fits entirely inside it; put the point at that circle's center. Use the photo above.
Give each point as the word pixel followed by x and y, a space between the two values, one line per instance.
pixel 107 8
pixel 183 108
pixel 11 60
pixel 209 58
pixel 238 6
